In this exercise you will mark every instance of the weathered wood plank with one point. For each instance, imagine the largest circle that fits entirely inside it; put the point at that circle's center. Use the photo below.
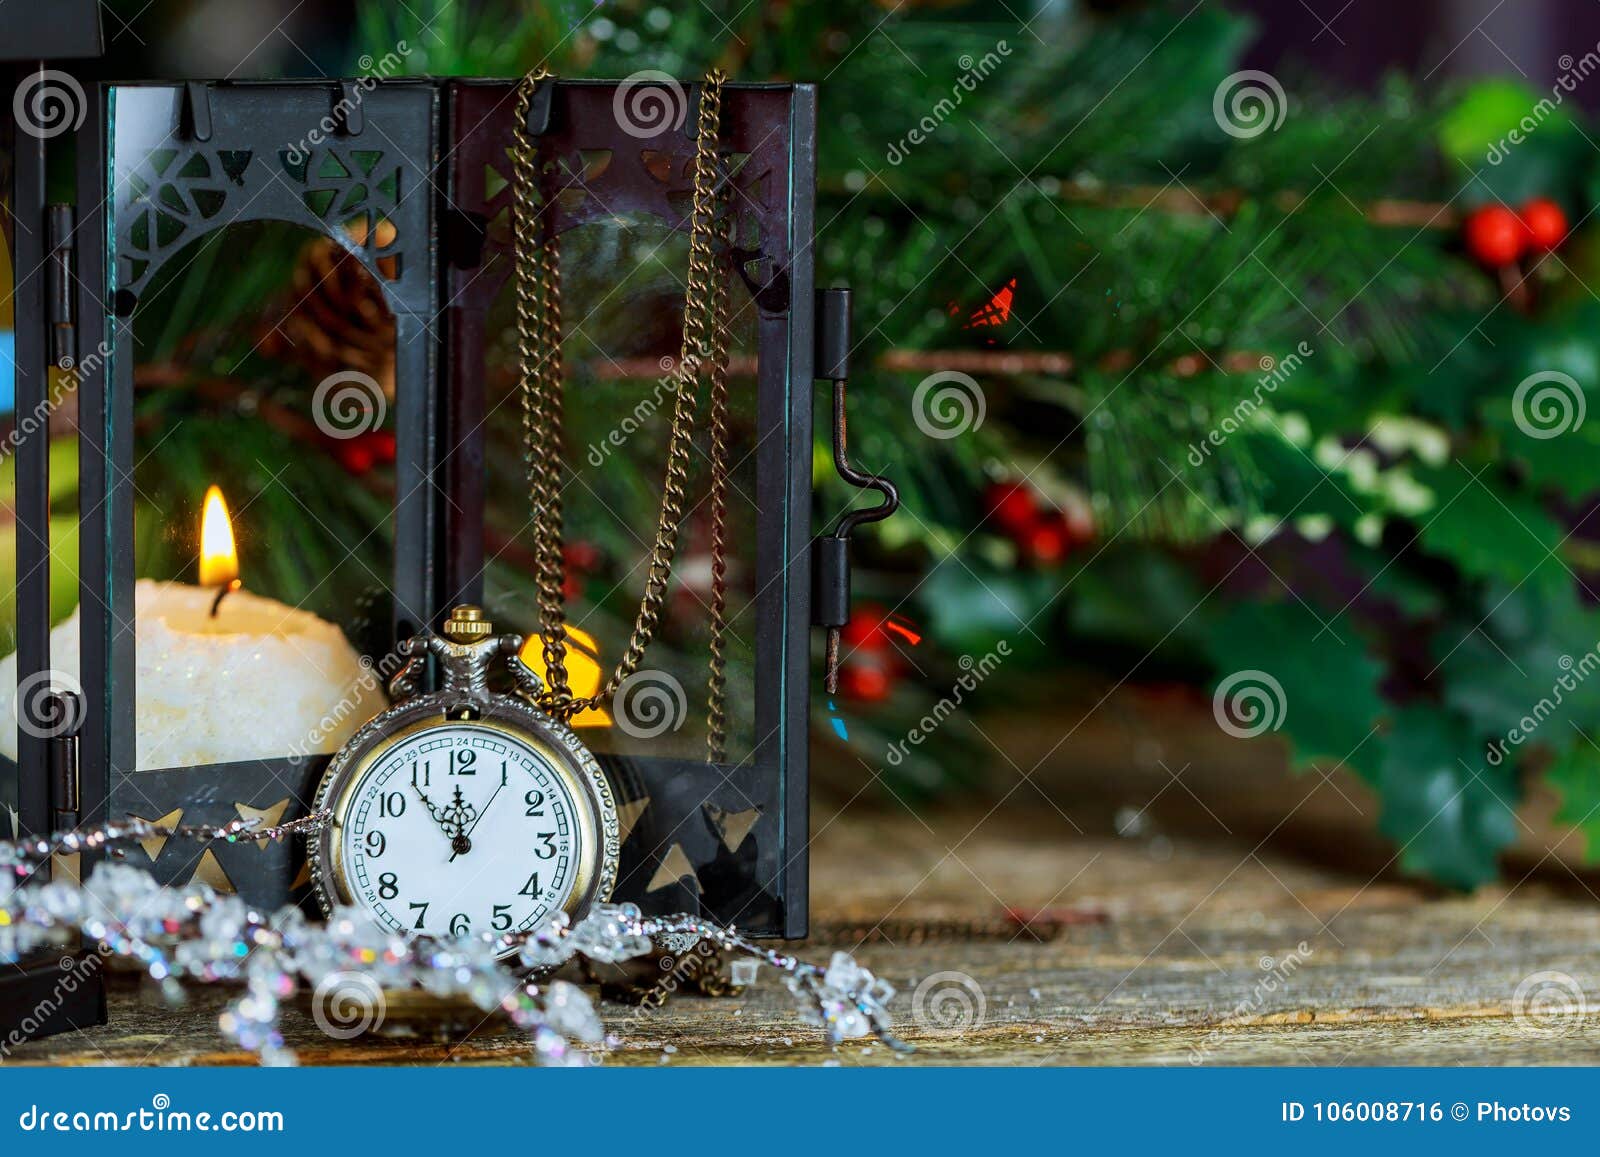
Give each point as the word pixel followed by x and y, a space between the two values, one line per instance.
pixel 1208 952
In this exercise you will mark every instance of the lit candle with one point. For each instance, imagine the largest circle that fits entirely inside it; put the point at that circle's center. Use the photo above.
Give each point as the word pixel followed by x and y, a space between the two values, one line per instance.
pixel 224 674
pixel 219 557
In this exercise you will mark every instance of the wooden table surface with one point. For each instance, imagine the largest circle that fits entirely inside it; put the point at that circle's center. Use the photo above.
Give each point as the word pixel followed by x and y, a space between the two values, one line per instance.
pixel 1183 950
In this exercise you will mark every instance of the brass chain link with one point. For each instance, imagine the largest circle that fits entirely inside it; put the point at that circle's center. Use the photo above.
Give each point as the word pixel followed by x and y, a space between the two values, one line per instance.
pixel 698 971
pixel 716 706
pixel 703 356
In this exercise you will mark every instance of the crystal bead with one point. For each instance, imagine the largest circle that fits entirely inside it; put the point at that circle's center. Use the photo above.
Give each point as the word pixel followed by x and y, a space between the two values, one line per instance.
pixel 845 974
pixel 569 1012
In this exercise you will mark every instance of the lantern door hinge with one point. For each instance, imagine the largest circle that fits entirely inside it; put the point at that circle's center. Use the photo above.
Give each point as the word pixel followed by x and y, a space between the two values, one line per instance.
pixel 59 314
pixel 65 712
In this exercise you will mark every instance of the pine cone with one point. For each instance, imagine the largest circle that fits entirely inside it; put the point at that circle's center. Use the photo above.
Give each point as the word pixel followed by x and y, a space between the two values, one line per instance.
pixel 336 318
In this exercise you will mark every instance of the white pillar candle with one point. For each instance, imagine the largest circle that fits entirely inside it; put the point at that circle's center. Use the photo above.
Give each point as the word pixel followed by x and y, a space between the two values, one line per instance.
pixel 259 680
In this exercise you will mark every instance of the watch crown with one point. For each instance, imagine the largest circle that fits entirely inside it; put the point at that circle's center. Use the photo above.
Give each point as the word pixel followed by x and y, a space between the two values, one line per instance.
pixel 466 624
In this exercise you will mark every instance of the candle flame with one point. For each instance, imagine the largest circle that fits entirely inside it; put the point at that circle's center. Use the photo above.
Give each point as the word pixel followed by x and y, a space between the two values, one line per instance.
pixel 219 559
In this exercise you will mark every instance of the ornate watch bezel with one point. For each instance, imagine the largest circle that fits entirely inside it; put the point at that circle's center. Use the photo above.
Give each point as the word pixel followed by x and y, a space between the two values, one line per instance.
pixel 466 703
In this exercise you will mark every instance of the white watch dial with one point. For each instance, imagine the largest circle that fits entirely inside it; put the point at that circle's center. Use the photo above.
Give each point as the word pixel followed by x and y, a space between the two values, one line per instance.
pixel 458 830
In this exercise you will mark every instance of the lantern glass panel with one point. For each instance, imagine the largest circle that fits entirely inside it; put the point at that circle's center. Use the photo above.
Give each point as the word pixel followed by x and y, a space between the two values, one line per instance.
pixel 622 289
pixel 291 419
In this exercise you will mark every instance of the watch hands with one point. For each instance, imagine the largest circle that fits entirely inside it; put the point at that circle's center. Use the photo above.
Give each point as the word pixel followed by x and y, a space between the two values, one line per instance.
pixel 432 811
pixel 453 819
pixel 477 819
pixel 459 814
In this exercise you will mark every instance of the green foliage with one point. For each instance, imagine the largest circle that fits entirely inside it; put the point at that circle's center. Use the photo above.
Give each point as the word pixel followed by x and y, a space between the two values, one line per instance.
pixel 447 38
pixel 1576 777
pixel 1446 810
pixel 1291 397
pixel 1388 434
pixel 1488 113
pixel 1416 576
pixel 1331 728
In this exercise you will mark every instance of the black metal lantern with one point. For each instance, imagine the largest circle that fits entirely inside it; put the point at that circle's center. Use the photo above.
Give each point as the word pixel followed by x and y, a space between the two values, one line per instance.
pixel 405 186
pixel 359 164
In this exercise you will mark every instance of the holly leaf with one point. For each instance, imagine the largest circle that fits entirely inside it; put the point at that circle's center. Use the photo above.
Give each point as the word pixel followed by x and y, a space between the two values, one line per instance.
pixel 1488 531
pixel 1568 464
pixel 1527 662
pixel 1326 683
pixel 1448 810
pixel 1575 775
pixel 1543 404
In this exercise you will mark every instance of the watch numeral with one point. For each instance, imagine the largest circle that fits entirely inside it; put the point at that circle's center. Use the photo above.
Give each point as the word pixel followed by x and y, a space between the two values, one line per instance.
pixel 460 925
pixel 549 846
pixel 388 886
pixel 377 843
pixel 531 888
pixel 463 761
pixel 502 917
pixel 503 773
pixel 421 909
pixel 391 805
pixel 535 801
pixel 421 773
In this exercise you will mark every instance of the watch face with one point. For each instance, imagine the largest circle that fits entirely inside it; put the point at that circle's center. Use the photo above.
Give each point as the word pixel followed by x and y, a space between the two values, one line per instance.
pixel 460 829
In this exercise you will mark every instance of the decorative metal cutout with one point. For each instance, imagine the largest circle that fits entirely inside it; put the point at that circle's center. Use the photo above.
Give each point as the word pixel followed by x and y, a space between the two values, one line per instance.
pixel 154 845
pixel 169 188
pixel 265 817
pixel 607 171
pixel 675 869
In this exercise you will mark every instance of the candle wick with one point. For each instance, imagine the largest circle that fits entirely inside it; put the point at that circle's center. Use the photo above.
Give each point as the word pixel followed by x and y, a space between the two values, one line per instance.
pixel 227 589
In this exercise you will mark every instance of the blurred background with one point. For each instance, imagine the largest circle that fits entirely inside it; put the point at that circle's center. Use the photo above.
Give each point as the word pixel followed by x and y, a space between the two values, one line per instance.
pixel 1233 360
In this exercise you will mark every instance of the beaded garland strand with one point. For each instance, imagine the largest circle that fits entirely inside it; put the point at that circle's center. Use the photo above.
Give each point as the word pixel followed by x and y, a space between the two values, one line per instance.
pixel 194 933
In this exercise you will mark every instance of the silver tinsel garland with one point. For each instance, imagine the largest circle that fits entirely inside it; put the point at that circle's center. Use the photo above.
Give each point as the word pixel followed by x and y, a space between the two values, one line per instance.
pixel 192 933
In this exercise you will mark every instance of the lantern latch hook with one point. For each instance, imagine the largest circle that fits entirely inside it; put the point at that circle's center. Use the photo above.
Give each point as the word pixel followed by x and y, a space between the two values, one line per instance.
pixel 830 566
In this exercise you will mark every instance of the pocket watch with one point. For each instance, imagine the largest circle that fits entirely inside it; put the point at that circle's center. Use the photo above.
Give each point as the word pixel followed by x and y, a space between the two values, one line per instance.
pixel 464 811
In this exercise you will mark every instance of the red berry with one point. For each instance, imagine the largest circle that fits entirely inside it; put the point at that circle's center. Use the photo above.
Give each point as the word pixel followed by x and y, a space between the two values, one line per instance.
pixel 355 456
pixel 382 444
pixel 864 631
pixel 1545 224
pixel 1048 540
pixel 866 682
pixel 1495 236
pixel 1013 506
pixel 581 555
